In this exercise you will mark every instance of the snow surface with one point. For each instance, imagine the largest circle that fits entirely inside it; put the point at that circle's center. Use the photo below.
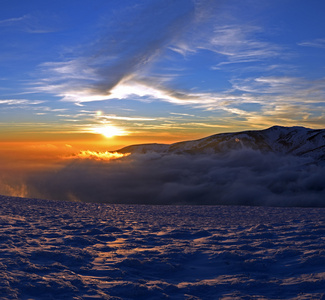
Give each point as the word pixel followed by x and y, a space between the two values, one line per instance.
pixel 69 250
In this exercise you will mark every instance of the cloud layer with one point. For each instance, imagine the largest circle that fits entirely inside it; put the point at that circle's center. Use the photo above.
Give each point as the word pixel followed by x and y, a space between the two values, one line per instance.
pixel 229 64
pixel 132 41
pixel 243 177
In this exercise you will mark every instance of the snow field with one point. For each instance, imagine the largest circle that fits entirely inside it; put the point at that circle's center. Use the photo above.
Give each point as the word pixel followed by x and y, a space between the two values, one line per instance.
pixel 66 250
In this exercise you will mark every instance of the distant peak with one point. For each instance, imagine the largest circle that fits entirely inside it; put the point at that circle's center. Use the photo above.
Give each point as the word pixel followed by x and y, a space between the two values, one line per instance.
pixel 278 127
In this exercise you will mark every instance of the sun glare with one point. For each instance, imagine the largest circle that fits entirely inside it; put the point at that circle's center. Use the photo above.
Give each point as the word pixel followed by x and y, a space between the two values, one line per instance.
pixel 109 131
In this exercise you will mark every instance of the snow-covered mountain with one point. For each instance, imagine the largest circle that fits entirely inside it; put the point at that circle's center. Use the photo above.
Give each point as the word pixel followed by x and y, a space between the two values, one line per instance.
pixel 296 140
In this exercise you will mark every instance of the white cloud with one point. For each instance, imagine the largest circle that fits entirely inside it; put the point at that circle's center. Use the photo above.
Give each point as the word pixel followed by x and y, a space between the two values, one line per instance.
pixel 20 102
pixel 123 118
pixel 239 44
pixel 289 88
pixel 35 24
pixel 317 43
pixel 72 69
pixel 182 114
pixel 11 21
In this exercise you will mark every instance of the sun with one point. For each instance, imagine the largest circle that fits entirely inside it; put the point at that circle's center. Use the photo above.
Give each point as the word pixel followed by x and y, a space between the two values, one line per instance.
pixel 109 131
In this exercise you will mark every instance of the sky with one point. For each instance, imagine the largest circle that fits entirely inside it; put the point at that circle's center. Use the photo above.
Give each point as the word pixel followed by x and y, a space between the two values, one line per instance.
pixel 99 75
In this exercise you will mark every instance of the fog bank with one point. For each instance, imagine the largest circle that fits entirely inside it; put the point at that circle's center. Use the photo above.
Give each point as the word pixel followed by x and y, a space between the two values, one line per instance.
pixel 242 177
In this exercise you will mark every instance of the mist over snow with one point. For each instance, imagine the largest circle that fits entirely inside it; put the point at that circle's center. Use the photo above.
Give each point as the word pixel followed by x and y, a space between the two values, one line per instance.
pixel 242 177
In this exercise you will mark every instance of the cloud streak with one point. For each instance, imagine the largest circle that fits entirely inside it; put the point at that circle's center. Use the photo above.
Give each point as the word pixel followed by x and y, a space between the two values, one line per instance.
pixel 317 43
pixel 29 23
pixel 127 49
pixel 11 21
pixel 238 45
pixel 118 64
pixel 20 102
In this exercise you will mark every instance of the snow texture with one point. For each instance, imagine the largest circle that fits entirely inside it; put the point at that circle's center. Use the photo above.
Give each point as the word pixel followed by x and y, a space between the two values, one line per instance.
pixel 66 250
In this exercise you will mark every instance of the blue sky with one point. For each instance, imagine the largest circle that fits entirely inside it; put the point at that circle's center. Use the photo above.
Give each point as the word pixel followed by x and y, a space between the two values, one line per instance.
pixel 163 69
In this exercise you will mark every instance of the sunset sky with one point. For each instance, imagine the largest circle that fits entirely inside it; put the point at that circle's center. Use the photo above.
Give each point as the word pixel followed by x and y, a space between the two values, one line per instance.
pixel 100 75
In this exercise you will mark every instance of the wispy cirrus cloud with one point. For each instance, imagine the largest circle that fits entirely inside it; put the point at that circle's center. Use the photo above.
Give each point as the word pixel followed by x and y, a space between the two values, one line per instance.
pixel 124 118
pixel 239 44
pixel 12 21
pixel 124 53
pixel 31 23
pixel 20 102
pixel 316 43
pixel 113 75
pixel 296 88
pixel 279 98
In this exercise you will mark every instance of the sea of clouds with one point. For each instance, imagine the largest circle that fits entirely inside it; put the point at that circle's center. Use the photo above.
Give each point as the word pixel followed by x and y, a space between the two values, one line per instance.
pixel 244 177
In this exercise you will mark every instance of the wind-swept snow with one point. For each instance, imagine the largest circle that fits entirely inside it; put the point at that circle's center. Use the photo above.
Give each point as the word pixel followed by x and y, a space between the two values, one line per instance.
pixel 66 250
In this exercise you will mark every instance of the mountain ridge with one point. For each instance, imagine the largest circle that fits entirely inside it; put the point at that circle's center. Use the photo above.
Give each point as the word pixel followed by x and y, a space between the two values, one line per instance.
pixel 296 140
